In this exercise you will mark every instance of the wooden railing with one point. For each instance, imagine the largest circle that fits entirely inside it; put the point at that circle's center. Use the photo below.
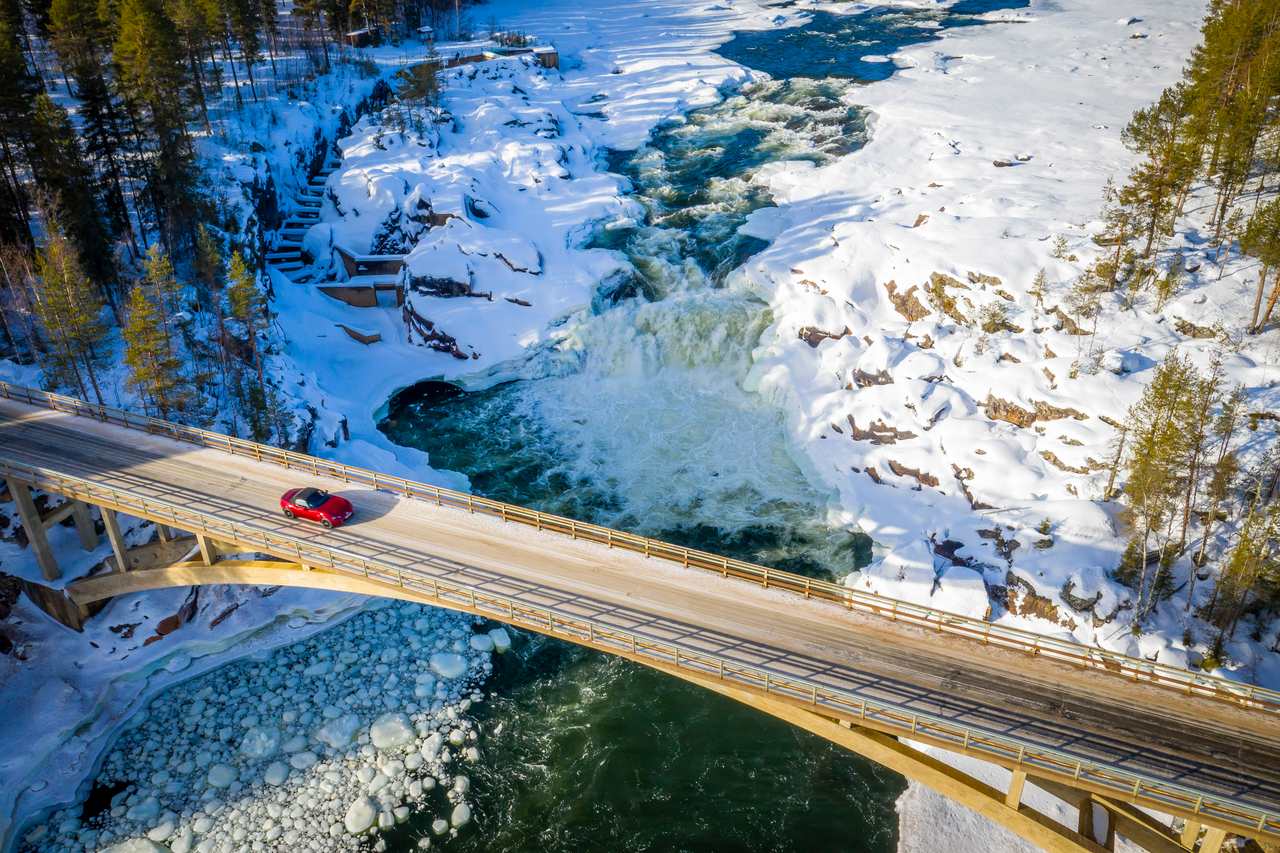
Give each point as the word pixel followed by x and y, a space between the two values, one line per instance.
pixel 1036 760
pixel 928 618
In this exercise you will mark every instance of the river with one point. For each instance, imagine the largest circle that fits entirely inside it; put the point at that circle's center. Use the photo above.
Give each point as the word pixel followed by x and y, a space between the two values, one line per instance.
pixel 638 420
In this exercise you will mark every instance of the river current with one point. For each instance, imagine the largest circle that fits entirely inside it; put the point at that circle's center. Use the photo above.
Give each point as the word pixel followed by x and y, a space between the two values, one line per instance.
pixel 638 420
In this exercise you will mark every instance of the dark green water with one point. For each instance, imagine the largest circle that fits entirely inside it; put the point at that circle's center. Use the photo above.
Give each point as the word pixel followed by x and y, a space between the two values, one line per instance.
pixel 641 419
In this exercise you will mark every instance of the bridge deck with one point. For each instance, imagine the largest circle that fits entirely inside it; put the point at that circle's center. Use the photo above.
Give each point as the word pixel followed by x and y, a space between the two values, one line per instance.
pixel 1210 747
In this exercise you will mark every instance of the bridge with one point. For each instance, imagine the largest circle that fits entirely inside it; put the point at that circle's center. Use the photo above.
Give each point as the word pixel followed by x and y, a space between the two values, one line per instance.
pixel 1113 735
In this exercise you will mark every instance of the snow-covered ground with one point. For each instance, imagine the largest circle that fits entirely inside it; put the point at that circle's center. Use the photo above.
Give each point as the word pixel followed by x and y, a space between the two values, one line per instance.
pixel 1055 85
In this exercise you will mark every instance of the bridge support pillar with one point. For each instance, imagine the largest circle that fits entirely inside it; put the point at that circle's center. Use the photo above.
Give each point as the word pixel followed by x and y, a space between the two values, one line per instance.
pixel 1013 797
pixel 1087 823
pixel 208 550
pixel 34 527
pixel 1190 833
pixel 112 524
pixel 84 525
pixel 1213 840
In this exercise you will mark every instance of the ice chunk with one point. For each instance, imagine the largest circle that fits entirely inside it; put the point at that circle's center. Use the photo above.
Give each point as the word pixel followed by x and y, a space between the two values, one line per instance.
pixel 339 731
pixel 448 664
pixel 501 640
pixel 391 730
pixel 137 845
pixel 482 642
pixel 360 816
pixel 221 775
pixel 276 773
pixel 303 760
pixel 461 815
pixel 260 742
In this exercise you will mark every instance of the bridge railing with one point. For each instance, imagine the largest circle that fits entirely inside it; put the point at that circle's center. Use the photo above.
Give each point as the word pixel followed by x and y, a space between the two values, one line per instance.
pixel 1035 760
pixel 861 601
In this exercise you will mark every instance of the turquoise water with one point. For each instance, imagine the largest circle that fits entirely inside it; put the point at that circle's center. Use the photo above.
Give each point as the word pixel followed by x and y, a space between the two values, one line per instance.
pixel 638 420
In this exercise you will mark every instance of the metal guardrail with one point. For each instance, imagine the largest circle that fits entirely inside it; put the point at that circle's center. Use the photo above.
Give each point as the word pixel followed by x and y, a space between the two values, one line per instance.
pixel 887 716
pixel 929 618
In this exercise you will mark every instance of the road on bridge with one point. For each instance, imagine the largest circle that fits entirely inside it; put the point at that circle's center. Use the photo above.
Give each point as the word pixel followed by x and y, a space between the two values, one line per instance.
pixel 1211 747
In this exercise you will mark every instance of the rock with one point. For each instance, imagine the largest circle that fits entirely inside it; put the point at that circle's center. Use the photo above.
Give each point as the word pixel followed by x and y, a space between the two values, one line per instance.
pixel 392 729
pixel 448 665
pixel 460 816
pixel 361 815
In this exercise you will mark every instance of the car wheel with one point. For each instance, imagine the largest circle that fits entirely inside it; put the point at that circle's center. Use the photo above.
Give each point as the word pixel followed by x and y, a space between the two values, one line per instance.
pixel 327 523
pixel 288 513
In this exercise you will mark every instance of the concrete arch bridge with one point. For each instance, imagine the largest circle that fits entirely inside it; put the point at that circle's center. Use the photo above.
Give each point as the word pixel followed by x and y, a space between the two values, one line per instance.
pixel 1112 735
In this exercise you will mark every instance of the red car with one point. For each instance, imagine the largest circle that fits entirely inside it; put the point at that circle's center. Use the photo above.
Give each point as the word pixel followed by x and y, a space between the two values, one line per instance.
pixel 316 505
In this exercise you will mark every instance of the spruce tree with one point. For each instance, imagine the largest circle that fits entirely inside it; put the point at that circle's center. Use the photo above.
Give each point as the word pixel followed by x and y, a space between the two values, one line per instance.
pixel 69 309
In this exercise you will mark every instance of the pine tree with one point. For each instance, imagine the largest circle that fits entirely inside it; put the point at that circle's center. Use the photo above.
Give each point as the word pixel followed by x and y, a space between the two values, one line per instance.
pixel 59 167
pixel 1168 165
pixel 155 371
pixel 244 20
pixel 247 306
pixel 1225 468
pixel 18 87
pixel 1262 240
pixel 83 43
pixel 163 285
pixel 1039 288
pixel 69 310
pixel 153 79
pixel 1155 471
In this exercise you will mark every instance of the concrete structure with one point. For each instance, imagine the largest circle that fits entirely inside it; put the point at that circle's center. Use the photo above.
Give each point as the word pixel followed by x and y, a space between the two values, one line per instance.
pixel 1095 727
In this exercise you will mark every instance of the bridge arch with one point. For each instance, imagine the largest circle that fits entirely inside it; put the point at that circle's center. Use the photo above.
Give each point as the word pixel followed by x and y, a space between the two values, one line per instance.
pixel 1004 808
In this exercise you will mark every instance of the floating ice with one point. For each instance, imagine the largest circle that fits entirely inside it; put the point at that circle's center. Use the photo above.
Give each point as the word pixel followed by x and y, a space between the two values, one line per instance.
pixel 501 640
pixel 390 731
pixel 338 732
pixel 260 742
pixel 360 816
pixel 221 775
pixel 256 752
pixel 448 664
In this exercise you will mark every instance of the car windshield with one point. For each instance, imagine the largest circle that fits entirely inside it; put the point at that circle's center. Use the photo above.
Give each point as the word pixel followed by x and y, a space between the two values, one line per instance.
pixel 312 498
